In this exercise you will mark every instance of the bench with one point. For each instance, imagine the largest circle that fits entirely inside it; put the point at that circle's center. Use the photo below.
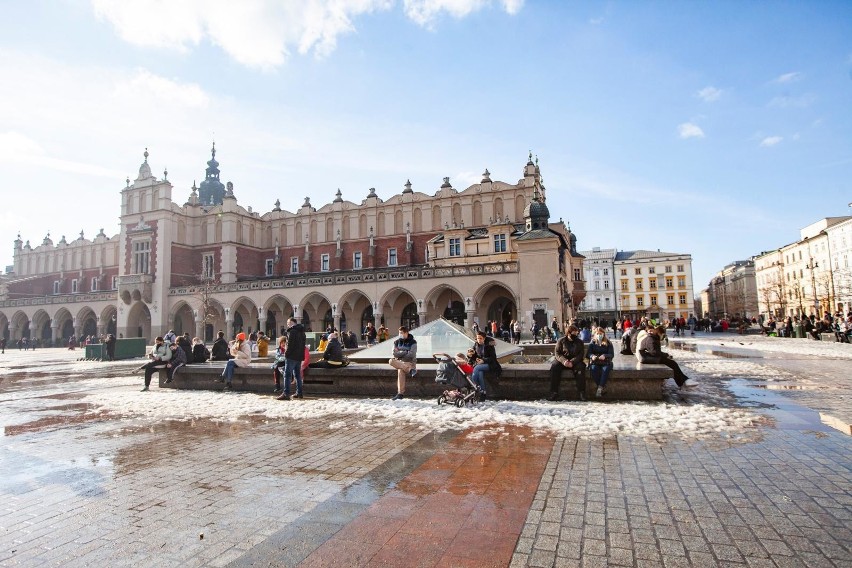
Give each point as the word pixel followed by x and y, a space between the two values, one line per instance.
pixel 629 380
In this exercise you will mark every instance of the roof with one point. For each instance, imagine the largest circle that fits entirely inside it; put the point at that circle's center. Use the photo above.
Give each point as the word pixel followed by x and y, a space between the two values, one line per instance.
pixel 642 254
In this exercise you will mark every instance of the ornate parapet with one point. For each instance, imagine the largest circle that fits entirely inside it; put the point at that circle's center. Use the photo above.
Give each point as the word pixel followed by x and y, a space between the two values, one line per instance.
pixel 108 296
pixel 353 277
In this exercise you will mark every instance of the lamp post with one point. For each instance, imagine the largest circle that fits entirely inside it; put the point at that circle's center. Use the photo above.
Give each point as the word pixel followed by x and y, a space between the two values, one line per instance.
pixel 812 266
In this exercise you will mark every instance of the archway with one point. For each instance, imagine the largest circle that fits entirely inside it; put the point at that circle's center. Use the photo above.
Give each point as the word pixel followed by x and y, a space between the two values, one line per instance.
pixel 109 317
pixel 41 329
pixel 409 316
pixel 244 312
pixel 447 302
pixel 139 321
pixel 315 308
pixel 64 323
pixel 399 308
pixel 87 322
pixel 352 307
pixel 183 319
pixel 278 310
pixel 4 326
pixel 19 326
pixel 498 301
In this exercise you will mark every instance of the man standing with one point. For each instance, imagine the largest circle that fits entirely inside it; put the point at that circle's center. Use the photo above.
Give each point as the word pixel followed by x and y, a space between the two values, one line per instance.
pixel 404 360
pixel 569 353
pixel 109 344
pixel 294 355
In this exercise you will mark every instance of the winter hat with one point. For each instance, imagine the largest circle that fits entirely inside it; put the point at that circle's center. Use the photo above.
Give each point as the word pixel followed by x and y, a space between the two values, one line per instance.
pixel 241 336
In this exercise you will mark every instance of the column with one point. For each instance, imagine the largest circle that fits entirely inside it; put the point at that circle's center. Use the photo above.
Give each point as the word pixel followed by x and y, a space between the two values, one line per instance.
pixel 421 311
pixel 54 332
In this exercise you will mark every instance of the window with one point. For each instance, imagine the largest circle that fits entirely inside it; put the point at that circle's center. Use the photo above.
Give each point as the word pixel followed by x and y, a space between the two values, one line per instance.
pixel 270 266
pixel 500 243
pixel 638 283
pixel 597 272
pixel 115 282
pixel 294 265
pixel 141 256
pixel 681 281
pixel 682 299
pixel 597 284
pixel 56 286
pixel 624 285
pixel 597 303
pixel 680 268
pixel 638 270
pixel 325 262
pixel 670 299
pixel 653 300
pixel 652 283
pixel 577 275
pixel 455 247
pixel 640 301
pixel 392 257
pixel 624 272
pixel 669 282
pixel 606 284
pixel 94 287
pixel 668 268
pixel 606 302
pixel 74 286
pixel 606 271
pixel 356 260
pixel 800 255
pixel 207 267
pixel 652 270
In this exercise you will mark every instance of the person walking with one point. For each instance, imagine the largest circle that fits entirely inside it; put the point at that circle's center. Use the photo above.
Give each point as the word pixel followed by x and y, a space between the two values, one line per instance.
pixel 404 360
pixel 569 352
pixel 294 356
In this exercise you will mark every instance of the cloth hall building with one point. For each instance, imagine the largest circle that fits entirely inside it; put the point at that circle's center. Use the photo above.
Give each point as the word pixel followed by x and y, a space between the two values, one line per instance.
pixel 488 252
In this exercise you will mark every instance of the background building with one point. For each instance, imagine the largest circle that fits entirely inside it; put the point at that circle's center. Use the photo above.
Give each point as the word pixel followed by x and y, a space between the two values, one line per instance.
pixel 732 292
pixel 599 270
pixel 488 252
pixel 654 284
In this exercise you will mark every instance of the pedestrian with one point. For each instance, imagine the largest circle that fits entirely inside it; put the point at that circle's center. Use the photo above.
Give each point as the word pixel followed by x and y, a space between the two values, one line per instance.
pixel 554 325
pixel 601 354
pixel 279 362
pixel 404 360
pixel 169 337
pixel 3 345
pixel 240 357
pixel 332 357
pixel 383 333
pixel 294 356
pixel 109 345
pixel 569 352
pixel 160 356
pixel 370 334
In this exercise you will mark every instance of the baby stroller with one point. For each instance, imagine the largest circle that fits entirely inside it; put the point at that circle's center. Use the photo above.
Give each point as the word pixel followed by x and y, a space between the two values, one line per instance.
pixel 461 389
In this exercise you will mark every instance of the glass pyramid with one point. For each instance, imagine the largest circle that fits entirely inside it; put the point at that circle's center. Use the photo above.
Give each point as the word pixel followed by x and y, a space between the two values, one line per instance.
pixel 438 336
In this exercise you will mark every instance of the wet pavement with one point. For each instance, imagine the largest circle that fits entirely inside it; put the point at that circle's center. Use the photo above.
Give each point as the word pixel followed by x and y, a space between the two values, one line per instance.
pixel 83 484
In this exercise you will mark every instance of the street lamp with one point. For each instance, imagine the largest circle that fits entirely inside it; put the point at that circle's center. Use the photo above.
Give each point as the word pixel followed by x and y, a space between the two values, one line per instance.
pixel 812 266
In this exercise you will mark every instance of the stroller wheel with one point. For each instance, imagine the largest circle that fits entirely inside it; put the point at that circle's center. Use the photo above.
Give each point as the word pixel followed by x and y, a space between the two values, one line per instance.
pixel 441 400
pixel 460 402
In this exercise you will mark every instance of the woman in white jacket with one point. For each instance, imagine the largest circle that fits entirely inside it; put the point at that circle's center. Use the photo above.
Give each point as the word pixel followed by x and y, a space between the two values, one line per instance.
pixel 241 353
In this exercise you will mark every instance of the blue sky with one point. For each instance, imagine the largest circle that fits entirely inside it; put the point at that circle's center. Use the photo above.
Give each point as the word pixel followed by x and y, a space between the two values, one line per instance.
pixel 712 128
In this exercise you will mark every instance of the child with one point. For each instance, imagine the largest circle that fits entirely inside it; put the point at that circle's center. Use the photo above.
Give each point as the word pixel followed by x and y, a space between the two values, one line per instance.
pixel 278 364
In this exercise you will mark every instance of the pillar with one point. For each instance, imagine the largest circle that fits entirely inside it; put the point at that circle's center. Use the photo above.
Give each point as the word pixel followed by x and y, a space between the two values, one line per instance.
pixel 54 332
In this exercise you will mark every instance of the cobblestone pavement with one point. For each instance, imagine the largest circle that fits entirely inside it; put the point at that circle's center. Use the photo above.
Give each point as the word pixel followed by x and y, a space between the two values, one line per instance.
pixel 80 486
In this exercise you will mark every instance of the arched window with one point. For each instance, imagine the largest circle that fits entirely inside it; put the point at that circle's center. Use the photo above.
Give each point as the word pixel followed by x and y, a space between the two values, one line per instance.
pixel 417 220
pixel 410 318
pixel 380 225
pixel 477 213
pixel 436 218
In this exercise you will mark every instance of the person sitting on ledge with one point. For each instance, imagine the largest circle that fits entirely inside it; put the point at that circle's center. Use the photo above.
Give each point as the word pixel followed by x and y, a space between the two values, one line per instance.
pixel 569 353
pixel 332 357
pixel 650 352
pixel 241 357
pixel 221 350
pixel 486 360
pixel 160 356
pixel 404 360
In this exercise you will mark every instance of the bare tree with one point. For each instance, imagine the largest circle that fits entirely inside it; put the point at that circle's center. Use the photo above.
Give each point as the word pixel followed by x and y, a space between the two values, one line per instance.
pixel 203 295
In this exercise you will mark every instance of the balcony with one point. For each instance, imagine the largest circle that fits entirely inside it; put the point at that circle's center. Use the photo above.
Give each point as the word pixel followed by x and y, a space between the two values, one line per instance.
pixel 135 287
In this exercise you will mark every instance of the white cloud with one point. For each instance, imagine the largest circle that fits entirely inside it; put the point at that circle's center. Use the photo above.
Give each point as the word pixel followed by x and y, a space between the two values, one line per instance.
pixel 771 141
pixel 19 149
pixel 709 94
pixel 802 101
pixel 689 130
pixel 788 77
pixel 146 84
pixel 262 33
pixel 596 21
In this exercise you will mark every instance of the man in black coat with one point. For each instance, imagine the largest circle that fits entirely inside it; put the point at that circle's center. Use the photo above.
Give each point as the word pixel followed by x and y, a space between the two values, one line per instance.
pixel 569 353
pixel 294 355
pixel 220 351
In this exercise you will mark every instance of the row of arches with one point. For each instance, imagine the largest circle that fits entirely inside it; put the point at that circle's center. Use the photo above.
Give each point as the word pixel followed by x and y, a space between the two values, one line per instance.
pixel 59 327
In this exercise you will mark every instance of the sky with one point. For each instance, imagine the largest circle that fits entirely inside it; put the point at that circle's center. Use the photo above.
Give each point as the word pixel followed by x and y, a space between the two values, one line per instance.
pixel 717 129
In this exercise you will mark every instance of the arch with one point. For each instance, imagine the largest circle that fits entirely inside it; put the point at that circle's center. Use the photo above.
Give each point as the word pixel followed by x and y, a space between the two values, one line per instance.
pixel 181 231
pixel 282 235
pixel 329 229
pixel 397 222
pixel 40 326
pixel 380 224
pixel 299 233
pixel 497 302
pixel 409 316
pixel 417 220
pixel 87 321
pixel 347 230
pixel 314 308
pixel 498 207
pixel 252 232
pixel 393 305
pixel 520 204
pixel 277 309
pixel 436 218
pixel 244 314
pixel 4 326
pixel 457 214
pixel 239 236
pixel 218 235
pixel 351 306
pixel 182 319
pixel 267 236
pixel 313 230
pixel 477 213
pixel 109 317
pixel 362 226
pixel 19 325
pixel 139 321
pixel 443 301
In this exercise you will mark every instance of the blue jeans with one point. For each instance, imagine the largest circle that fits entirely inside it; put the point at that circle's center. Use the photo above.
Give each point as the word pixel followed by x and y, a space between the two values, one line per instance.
pixel 228 373
pixel 292 368
pixel 600 373
pixel 478 376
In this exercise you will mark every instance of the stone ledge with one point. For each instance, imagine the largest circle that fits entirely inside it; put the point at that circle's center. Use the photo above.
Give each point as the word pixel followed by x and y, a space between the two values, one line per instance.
pixel 629 380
